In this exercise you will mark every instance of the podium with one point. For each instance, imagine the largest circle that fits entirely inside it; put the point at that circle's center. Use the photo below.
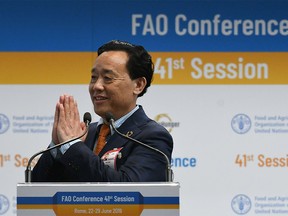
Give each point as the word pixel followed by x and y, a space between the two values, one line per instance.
pixel 125 199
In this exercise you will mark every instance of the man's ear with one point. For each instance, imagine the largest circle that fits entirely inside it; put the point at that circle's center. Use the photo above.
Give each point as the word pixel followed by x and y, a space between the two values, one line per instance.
pixel 140 84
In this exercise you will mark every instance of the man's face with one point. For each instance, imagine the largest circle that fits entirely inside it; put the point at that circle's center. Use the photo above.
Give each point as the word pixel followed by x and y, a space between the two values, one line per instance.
pixel 111 88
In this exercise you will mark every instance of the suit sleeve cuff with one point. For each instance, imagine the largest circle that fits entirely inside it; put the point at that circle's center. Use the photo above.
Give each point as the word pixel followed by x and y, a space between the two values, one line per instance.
pixel 63 148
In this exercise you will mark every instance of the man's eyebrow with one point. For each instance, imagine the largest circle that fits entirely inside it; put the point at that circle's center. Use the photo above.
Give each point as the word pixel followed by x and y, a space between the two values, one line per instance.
pixel 105 71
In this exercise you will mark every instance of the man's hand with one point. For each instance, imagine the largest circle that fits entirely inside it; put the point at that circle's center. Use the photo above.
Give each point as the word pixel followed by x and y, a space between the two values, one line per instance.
pixel 67 123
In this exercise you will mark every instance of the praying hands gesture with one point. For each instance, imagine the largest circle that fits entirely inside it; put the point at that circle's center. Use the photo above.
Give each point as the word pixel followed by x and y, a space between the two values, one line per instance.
pixel 67 124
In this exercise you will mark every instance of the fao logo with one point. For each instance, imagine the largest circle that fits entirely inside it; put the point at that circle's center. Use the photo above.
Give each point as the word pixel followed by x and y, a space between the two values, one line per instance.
pixel 4 123
pixel 241 123
pixel 4 204
pixel 241 204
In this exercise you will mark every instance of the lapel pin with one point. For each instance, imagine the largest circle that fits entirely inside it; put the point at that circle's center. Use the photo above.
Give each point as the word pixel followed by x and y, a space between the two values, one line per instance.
pixel 129 133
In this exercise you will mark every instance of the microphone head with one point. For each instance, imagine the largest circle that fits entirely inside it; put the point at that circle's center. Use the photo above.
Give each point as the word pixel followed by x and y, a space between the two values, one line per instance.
pixel 109 116
pixel 87 118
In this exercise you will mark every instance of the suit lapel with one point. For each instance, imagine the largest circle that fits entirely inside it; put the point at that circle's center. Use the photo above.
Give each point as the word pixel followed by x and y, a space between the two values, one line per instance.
pixel 131 127
pixel 91 136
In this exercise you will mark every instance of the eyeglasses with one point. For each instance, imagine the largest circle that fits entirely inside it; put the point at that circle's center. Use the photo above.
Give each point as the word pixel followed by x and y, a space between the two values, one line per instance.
pixel 106 79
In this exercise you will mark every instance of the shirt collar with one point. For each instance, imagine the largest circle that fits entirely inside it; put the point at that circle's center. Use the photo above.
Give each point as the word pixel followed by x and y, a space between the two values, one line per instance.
pixel 121 120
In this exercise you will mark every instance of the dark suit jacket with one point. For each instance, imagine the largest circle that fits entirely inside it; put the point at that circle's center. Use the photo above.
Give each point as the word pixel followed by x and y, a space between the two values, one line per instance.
pixel 136 163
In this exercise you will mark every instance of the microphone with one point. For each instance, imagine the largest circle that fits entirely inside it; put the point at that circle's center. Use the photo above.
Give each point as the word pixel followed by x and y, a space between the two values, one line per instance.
pixel 28 172
pixel 87 118
pixel 169 171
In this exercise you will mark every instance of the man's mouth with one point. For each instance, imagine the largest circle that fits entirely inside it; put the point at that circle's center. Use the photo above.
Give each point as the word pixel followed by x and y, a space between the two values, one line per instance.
pixel 100 98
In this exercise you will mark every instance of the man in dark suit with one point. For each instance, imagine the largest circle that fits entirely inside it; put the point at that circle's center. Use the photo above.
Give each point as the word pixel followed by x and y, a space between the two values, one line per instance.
pixel 122 72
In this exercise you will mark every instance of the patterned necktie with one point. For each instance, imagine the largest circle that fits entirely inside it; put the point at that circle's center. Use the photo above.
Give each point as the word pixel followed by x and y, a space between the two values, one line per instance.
pixel 104 131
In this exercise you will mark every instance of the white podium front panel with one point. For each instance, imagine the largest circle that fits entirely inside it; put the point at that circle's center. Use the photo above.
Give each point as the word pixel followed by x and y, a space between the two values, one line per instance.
pixel 63 199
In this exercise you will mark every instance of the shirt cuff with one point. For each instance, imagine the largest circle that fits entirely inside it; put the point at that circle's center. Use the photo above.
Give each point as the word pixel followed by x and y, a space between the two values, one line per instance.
pixel 63 148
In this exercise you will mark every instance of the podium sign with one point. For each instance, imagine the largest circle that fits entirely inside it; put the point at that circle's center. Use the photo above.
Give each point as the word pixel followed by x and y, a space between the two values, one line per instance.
pixel 63 199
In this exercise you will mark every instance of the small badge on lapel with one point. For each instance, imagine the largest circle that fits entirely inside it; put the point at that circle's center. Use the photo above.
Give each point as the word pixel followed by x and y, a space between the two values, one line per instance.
pixel 129 133
pixel 110 157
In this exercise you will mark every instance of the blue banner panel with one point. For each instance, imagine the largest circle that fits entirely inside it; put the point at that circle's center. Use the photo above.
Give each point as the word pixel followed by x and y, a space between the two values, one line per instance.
pixel 162 26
